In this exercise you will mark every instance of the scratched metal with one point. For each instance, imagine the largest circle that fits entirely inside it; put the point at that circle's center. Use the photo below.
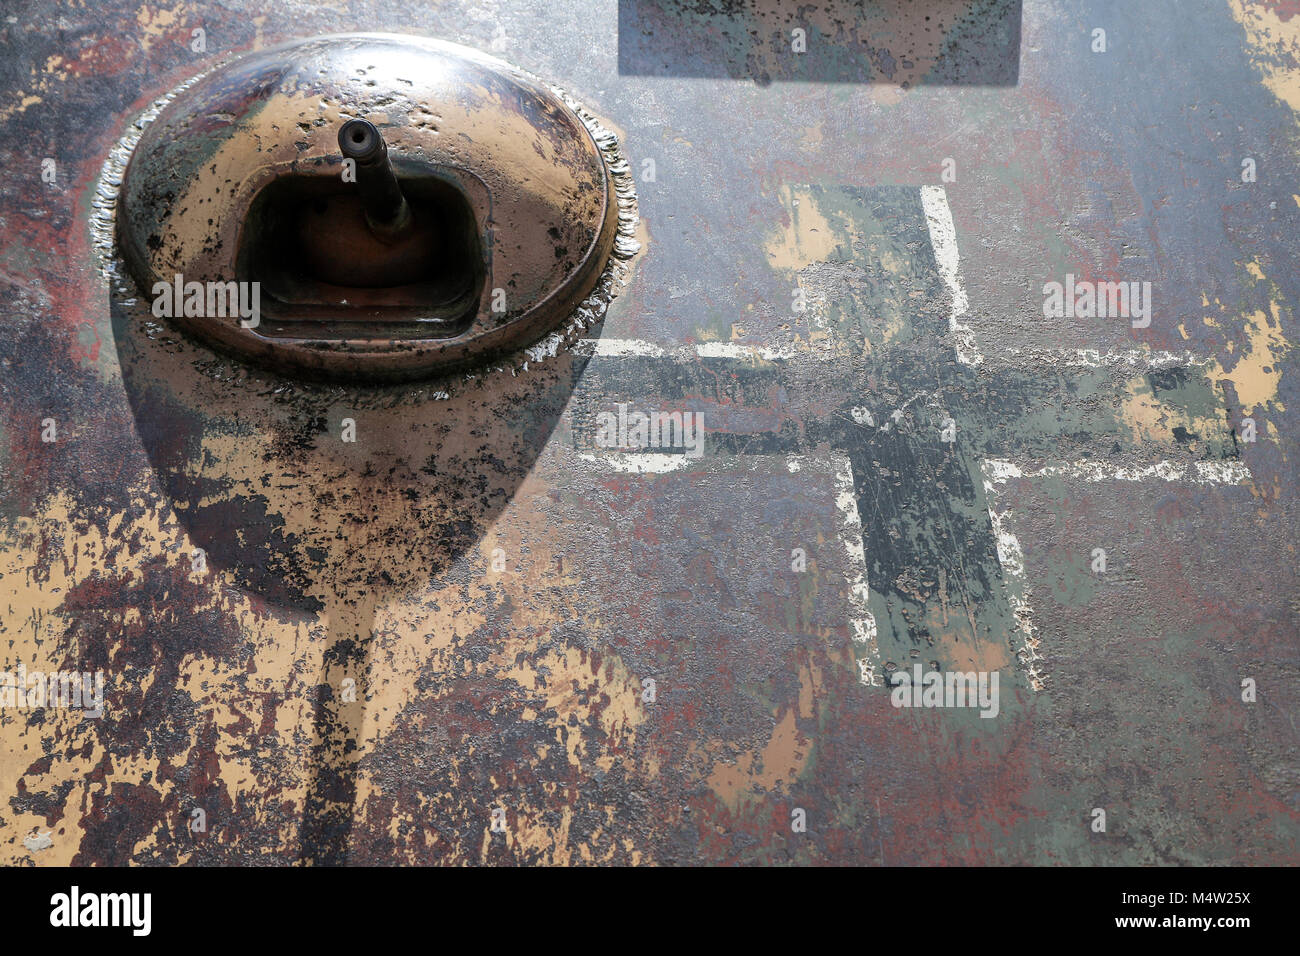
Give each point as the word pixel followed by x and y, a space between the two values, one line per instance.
pixel 498 587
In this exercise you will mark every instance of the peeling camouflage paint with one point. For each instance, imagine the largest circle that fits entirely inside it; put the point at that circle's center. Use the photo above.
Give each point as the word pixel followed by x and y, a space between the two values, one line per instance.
pixel 522 688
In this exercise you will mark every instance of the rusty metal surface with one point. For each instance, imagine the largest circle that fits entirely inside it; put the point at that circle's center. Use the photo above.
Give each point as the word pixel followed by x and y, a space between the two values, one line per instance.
pixel 905 461
pixel 544 210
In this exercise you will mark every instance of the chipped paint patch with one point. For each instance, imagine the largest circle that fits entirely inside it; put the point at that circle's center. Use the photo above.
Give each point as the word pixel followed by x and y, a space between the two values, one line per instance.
pixel 1196 472
pixel 20 107
pixel 1257 371
pixel 1153 414
pixel 1012 559
pixel 1257 349
pixel 1103 358
pixel 1275 42
pixel 639 463
pixel 56 613
pixel 943 237
pixel 154 23
pixel 751 776
pixel 38 841
pixel 735 350
pixel 617 348
pixel 861 620
pixel 610 348
pixel 805 236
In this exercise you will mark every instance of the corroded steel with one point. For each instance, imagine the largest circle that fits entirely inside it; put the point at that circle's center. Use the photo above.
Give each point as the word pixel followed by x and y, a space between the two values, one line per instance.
pixel 432 644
